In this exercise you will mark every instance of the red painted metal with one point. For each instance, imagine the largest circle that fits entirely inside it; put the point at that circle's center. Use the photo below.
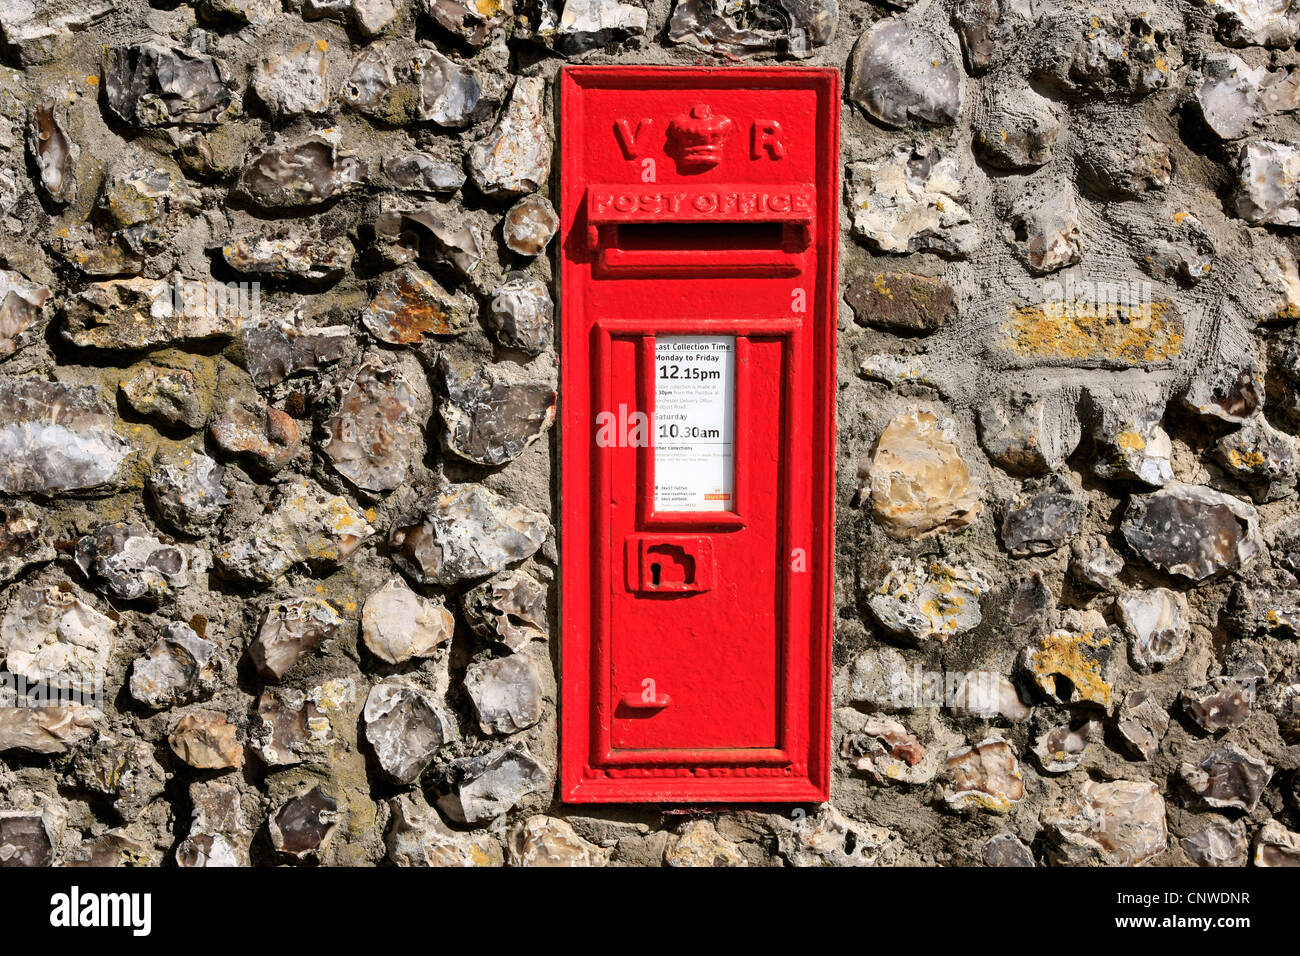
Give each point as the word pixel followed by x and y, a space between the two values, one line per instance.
pixel 695 655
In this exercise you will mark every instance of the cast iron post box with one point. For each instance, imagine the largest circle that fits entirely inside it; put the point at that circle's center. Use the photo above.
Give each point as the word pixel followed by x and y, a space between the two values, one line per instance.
pixel 699 217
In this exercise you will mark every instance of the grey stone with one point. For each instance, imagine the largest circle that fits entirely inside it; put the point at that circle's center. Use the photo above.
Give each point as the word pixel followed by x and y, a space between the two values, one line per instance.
pixel 492 413
pixel 418 837
pixel 1048 516
pixel 1141 724
pixel 187 491
pixel 1192 531
pixel 421 172
pixel 289 727
pixel 506 693
pixel 304 172
pixel 207 740
pixel 1114 823
pixel 1219 844
pixel 468 21
pixel 929 599
pixel 1126 167
pixel 169 395
pixel 303 825
pixel 56 438
pixel 398 625
pixel 406 728
pixel 904 74
pixel 370 436
pixel 795 27
pixel 1095 564
pixel 126 562
pixel 153 85
pixel 1268 184
pixel 1131 444
pixel 1158 625
pixel 439 238
pixel 522 313
pixel 1231 390
pixel 293 82
pixel 508 609
pixel 143 313
pixel 1006 850
pixel 294 254
pixel 1260 457
pixel 1017 128
pixel 179 667
pixel 53 153
pixel 887 752
pixel 485 787
pixel 977 22
pixel 45 730
pixel 277 348
pixel 122 768
pixel 50 635
pixel 515 157
pixel 22 311
pixel 1044 228
pixel 542 841
pixel 259 434
pixel 24 541
pixel 911 200
pixel 1226 778
pixel 466 532
pixel 1062 747
pixel 1275 845
pixel 291 630
pixel 1221 703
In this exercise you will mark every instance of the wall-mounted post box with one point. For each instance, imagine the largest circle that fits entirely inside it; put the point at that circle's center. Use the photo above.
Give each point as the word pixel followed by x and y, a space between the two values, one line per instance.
pixel 699 217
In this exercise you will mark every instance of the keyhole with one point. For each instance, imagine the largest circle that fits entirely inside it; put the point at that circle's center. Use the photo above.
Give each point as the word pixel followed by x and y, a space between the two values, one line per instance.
pixel 654 573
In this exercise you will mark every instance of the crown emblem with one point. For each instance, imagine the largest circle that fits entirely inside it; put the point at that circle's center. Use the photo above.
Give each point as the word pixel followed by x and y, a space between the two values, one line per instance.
pixel 696 138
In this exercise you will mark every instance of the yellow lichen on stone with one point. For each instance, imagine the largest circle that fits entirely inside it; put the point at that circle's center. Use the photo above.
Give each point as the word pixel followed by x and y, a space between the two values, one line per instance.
pixel 1147 332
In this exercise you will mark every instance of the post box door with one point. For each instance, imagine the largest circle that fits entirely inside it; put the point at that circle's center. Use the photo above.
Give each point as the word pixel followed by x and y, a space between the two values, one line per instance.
pixel 699 216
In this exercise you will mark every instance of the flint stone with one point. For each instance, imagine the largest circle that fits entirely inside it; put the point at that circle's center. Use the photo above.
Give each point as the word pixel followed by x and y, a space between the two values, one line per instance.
pixel 143 206
pixel 529 225
pixel 437 238
pixel 370 17
pixel 187 492
pixel 1261 457
pixel 466 532
pixel 492 413
pixel 1275 845
pixel 1257 22
pixel 423 173
pixel 306 526
pixel 582 25
pixel 179 667
pixel 1226 778
pixel 23 541
pixel 1005 850
pixel 1016 129
pixel 275 349
pixel 1230 391
pixel 1095 564
pixel 293 82
pixel 903 74
pixel 888 752
pixel 920 483
pixel 515 157
pixel 56 438
pixel 469 20
pixel 288 727
pixel 828 838
pixel 369 437
pixel 45 730
pixel 485 787
pixel 32 30
pixel 418 837
pixel 509 610
pixel 976 21
pixel 53 153
pixel 929 599
pixel 542 841
pixel 170 395
pixel 522 313
pixel 206 740
pixel 152 85
pixel 303 825
pixel 1234 99
pixel 1015 431
pixel 1268 184
pixel 1221 703
pixel 298 254
pixel 291 630
pixel 1142 724
pixel 398 625
pixel 981 694
pixel 406 728
pixel 1117 823
pixel 910 200
pixel 122 768
pixel 27 837
pixel 699 845
pixel 22 311
pixel 1192 531
pixel 902 302
pixel 1219 844
pixel 1062 748
pixel 1044 230
pixel 1047 519
pixel 506 693
pixel 143 313
pixel 1075 665
pixel 1158 625
pixel 787 26
pixel 305 173
pixel 1271 606
pixel 411 304
pixel 258 433
pixel 1132 445
pixel 986 776
pixel 49 635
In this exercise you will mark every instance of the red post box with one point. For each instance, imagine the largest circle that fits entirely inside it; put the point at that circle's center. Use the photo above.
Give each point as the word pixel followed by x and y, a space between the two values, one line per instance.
pixel 699 218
